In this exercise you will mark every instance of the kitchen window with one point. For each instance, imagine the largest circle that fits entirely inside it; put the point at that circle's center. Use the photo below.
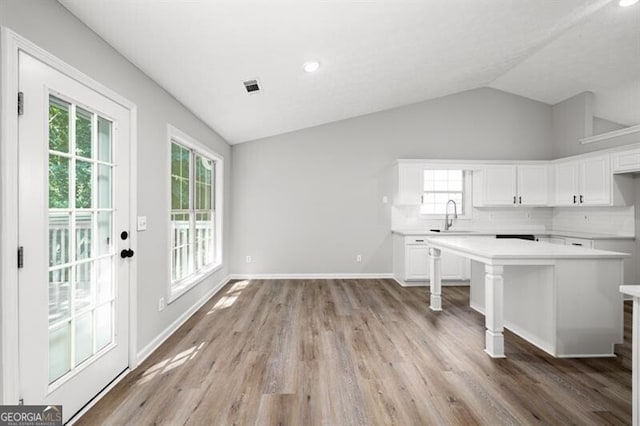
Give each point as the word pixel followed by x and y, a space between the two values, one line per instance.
pixel 195 213
pixel 440 186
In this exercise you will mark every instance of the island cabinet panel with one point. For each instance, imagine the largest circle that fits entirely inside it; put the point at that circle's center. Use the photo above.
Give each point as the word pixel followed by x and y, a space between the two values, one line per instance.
pixel 561 309
pixel 589 314
pixel 563 299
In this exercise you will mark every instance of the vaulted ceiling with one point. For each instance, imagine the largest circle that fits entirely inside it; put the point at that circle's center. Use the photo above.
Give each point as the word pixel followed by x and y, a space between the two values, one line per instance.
pixel 374 55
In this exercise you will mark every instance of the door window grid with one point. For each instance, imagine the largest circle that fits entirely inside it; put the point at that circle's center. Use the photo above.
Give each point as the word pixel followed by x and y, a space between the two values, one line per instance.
pixel 81 272
pixel 440 186
pixel 192 213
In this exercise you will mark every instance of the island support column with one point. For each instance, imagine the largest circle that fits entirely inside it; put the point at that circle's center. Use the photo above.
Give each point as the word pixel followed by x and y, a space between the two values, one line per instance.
pixel 436 279
pixel 494 310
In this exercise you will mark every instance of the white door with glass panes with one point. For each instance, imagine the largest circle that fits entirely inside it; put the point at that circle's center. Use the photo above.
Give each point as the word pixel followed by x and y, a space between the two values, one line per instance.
pixel 73 212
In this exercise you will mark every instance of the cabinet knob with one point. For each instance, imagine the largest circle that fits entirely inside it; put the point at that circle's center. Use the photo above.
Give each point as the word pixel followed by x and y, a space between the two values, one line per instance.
pixel 520 199
pixel 574 199
pixel 514 199
pixel 581 199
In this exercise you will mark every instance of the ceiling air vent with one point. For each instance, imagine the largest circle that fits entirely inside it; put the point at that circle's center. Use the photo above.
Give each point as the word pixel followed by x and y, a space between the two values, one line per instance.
pixel 252 86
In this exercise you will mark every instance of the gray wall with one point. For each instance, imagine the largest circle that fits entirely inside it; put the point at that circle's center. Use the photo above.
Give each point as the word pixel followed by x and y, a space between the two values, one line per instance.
pixel 52 27
pixel 572 121
pixel 311 200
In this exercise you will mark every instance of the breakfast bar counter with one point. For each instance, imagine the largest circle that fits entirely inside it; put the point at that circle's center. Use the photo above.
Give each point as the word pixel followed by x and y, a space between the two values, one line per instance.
pixel 563 299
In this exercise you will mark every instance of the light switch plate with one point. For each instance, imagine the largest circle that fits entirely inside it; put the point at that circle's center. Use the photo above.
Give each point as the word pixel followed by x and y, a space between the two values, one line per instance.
pixel 142 223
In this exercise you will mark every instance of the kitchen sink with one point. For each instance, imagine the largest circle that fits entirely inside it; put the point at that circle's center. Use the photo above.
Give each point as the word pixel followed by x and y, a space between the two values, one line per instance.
pixel 452 231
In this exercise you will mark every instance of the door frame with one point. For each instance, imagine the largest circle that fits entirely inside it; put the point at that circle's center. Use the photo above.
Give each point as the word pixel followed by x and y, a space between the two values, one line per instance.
pixel 11 44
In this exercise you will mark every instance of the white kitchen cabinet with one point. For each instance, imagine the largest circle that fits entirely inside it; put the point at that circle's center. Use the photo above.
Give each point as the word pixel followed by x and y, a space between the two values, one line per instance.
pixel 533 187
pixel 410 184
pixel 626 161
pixel 417 263
pixel 567 183
pixel 579 242
pixel 509 185
pixel 585 182
pixel 411 262
pixel 595 181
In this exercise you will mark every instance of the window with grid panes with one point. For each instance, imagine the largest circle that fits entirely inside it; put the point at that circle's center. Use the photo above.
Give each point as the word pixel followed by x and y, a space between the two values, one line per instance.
pixel 440 186
pixel 193 224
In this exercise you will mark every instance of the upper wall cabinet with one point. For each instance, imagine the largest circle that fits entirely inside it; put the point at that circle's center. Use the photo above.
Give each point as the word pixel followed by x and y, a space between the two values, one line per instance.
pixel 626 161
pixel 511 185
pixel 410 184
pixel 585 182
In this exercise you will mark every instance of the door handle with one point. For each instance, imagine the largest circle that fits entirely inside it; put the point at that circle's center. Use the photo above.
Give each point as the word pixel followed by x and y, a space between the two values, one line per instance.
pixel 126 253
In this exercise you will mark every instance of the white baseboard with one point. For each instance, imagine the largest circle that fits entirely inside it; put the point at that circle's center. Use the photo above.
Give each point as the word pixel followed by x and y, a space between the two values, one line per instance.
pixel 452 283
pixel 309 276
pixel 159 340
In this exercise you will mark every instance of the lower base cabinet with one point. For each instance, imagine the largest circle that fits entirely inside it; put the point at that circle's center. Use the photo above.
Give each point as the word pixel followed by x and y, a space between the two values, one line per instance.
pixel 412 263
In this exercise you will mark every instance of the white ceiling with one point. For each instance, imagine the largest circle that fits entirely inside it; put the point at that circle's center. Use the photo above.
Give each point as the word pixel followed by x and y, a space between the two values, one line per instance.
pixel 374 55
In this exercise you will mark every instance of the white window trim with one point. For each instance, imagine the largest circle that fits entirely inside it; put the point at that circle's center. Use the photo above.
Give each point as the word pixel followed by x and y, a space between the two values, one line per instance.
pixel 468 213
pixel 177 289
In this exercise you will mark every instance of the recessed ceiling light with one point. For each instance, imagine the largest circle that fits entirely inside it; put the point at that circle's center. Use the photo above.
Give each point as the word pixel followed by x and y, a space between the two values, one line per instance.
pixel 627 3
pixel 311 66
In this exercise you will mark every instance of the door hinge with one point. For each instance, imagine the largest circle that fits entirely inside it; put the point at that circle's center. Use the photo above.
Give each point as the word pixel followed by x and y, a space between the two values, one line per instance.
pixel 20 257
pixel 20 103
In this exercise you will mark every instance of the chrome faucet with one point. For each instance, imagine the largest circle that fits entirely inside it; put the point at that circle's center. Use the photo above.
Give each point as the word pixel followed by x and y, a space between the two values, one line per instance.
pixel 447 223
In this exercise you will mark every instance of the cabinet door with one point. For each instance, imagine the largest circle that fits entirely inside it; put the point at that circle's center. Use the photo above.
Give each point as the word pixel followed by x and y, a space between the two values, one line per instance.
pixel 532 185
pixel 595 180
pixel 410 184
pixel 627 161
pixel 499 185
pixel 416 263
pixel 566 185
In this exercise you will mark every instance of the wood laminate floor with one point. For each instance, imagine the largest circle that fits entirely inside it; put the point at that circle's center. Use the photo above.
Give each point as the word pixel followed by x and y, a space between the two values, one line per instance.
pixel 356 352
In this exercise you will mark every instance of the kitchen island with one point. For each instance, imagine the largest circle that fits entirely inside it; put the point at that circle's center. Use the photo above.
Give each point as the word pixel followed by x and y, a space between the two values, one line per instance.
pixel 563 299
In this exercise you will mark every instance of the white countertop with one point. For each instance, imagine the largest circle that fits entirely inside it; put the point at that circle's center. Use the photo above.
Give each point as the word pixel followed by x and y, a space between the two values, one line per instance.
pixel 631 290
pixel 537 232
pixel 486 248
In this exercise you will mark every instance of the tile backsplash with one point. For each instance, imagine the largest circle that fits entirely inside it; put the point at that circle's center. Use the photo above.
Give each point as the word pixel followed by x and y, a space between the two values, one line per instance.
pixel 527 219
pixel 606 220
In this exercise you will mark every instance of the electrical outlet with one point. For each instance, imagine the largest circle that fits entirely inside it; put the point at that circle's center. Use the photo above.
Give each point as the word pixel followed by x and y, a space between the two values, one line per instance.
pixel 359 258
pixel 586 218
pixel 249 260
pixel 161 304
